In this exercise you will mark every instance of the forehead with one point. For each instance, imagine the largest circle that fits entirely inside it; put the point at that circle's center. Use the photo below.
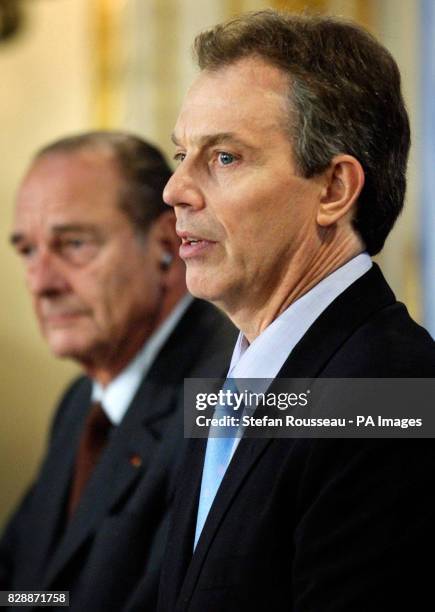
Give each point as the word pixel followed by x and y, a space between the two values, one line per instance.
pixel 249 94
pixel 80 186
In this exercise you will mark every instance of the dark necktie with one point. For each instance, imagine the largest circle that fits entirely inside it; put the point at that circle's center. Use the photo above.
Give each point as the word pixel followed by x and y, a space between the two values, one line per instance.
pixel 92 442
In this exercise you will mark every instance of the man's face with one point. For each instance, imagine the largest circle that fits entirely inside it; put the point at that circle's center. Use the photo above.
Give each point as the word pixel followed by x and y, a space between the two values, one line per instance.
pixel 95 284
pixel 236 189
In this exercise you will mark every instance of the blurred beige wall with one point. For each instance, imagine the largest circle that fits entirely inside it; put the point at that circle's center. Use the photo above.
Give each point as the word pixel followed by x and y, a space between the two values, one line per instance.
pixel 45 93
pixel 81 64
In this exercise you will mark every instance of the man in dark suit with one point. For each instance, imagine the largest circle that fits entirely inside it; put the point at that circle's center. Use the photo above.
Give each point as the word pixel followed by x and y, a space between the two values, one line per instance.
pixel 101 259
pixel 292 146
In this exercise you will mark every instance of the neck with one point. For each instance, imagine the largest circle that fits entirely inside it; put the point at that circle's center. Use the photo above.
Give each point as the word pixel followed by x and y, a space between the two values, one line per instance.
pixel 301 274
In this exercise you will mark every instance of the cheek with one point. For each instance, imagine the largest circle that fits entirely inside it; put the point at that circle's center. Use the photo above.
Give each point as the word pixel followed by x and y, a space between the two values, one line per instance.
pixel 112 292
pixel 97 292
pixel 39 314
pixel 133 293
pixel 246 209
pixel 245 227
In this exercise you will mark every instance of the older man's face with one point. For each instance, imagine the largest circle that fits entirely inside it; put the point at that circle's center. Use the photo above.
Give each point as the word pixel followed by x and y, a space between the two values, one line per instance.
pixel 96 286
pixel 243 211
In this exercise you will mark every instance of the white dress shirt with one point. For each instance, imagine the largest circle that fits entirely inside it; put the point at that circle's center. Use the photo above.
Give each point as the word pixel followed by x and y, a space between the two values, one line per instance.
pixel 116 397
pixel 265 356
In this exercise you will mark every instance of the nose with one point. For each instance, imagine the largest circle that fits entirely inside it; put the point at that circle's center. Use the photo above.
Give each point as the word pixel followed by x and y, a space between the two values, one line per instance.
pixel 183 188
pixel 45 277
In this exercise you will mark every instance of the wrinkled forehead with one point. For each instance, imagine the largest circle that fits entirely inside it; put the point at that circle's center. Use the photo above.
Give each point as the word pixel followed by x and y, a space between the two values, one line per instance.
pixel 62 186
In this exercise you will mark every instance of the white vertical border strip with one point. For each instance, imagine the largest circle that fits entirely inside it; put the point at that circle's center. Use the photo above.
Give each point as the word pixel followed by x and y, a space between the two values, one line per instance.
pixel 428 161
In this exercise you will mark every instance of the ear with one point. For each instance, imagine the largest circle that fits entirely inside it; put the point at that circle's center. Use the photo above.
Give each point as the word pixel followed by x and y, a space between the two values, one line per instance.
pixel 344 180
pixel 172 268
pixel 167 239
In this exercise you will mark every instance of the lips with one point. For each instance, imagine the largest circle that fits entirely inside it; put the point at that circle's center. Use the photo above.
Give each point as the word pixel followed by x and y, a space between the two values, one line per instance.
pixel 62 318
pixel 193 245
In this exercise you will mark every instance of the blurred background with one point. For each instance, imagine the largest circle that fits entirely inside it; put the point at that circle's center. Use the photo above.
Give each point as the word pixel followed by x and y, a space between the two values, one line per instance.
pixel 73 65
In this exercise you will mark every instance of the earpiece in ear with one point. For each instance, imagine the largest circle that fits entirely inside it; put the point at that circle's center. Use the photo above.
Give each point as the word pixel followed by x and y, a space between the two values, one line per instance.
pixel 166 261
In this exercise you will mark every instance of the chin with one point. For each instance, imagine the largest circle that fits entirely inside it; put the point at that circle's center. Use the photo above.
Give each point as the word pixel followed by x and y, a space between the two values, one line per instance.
pixel 67 352
pixel 64 346
pixel 201 286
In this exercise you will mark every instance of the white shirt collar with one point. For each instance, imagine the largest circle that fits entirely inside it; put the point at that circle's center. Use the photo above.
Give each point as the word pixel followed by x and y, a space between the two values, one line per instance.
pixel 266 355
pixel 118 394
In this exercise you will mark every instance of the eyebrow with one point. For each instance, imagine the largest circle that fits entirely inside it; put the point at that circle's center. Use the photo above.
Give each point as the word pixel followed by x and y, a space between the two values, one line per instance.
pixel 18 237
pixel 210 140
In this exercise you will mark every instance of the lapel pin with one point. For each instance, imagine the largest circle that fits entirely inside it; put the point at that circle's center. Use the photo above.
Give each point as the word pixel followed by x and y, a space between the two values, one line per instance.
pixel 135 460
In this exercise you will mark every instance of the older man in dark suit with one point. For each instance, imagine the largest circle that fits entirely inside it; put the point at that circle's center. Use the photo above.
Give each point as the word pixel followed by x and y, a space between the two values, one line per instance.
pixel 292 146
pixel 101 259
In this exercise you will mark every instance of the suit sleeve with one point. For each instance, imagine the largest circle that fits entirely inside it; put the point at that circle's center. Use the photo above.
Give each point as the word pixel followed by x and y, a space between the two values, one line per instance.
pixel 8 542
pixel 11 537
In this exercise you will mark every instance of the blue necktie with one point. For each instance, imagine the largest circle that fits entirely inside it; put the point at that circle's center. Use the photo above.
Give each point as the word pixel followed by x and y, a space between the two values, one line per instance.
pixel 217 458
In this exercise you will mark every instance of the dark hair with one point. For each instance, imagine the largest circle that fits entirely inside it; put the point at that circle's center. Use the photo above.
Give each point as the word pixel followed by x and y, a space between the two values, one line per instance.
pixel 144 170
pixel 344 97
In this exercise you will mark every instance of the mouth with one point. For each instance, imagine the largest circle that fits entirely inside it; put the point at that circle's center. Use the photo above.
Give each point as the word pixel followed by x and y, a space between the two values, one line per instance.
pixel 62 318
pixel 192 245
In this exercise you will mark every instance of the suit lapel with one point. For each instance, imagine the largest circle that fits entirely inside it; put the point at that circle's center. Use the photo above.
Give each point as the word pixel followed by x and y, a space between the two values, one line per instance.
pixel 52 490
pixel 351 309
pixel 180 539
pixel 246 456
pixel 126 459
pixel 347 313
pixel 132 446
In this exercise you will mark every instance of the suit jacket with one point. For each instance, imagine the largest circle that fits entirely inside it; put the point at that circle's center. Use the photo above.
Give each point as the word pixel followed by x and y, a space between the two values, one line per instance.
pixel 113 543
pixel 317 525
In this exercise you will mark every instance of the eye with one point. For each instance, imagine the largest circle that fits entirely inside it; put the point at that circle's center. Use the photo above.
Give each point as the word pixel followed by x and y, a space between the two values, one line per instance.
pixel 226 158
pixel 179 157
pixel 77 250
pixel 75 243
pixel 25 250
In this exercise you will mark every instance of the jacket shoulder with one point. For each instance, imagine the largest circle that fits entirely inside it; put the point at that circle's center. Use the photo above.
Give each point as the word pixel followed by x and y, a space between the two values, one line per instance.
pixel 389 344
